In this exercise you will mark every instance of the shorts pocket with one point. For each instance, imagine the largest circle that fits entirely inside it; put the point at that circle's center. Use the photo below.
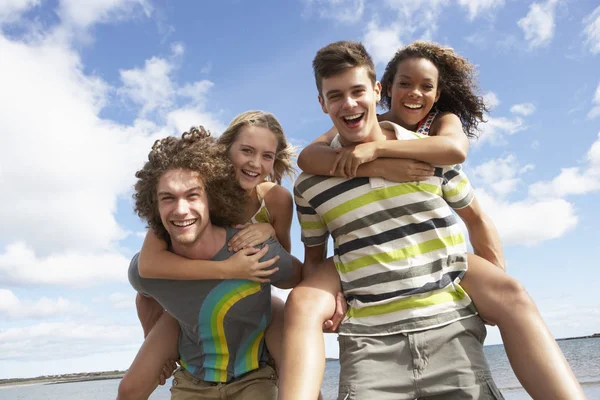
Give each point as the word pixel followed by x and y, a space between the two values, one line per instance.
pixel 488 386
pixel 347 391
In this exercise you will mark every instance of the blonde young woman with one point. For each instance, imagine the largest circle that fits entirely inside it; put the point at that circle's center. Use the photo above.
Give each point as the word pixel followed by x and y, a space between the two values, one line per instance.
pixel 261 157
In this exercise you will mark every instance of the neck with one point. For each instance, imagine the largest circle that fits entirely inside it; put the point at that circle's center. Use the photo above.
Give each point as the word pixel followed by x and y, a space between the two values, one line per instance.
pixel 375 135
pixel 207 245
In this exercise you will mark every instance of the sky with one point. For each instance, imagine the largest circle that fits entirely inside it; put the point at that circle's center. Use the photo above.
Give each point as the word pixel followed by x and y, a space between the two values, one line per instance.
pixel 86 88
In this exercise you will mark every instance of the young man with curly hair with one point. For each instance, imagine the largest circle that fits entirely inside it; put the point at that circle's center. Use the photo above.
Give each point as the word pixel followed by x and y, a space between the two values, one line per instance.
pixel 188 195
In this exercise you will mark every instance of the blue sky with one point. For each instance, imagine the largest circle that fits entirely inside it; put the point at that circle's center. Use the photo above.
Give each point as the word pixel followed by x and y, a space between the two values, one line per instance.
pixel 88 86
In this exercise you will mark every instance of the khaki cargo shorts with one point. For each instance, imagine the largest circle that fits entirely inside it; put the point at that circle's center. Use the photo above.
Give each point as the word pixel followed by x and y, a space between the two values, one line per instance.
pixel 258 384
pixel 435 364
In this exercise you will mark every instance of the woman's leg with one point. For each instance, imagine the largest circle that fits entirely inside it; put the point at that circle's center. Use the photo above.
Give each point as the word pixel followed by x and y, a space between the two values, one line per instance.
pixel 308 306
pixel 159 347
pixel 534 355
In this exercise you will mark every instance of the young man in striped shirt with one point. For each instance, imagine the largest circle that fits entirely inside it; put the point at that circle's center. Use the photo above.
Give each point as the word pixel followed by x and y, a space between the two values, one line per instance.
pixel 410 331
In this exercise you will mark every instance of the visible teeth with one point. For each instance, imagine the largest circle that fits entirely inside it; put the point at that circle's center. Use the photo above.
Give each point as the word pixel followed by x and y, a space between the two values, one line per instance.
pixel 413 106
pixel 254 174
pixel 350 117
pixel 183 224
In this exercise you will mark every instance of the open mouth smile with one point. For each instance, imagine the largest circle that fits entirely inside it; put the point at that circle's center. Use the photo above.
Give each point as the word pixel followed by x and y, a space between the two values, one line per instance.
pixel 352 121
pixel 250 173
pixel 185 223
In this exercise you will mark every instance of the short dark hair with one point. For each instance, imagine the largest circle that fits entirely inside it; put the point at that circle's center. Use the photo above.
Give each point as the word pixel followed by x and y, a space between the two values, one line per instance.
pixel 338 57
pixel 194 151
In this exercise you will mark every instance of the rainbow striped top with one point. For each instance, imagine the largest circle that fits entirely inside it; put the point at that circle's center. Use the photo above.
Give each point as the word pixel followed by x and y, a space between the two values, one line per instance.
pixel 222 322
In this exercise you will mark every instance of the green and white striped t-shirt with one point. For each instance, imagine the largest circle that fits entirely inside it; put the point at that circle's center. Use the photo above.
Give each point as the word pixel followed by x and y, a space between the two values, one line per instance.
pixel 398 247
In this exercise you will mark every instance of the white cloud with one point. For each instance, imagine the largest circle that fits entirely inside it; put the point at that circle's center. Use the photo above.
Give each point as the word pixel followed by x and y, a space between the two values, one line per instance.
pixel 83 14
pixel 477 7
pixel 19 264
pixel 345 11
pixel 62 340
pixel 570 181
pixel 490 99
pixel 382 44
pixel 501 174
pixel 122 300
pixel 150 86
pixel 538 25
pixel 524 109
pixel 574 180
pixel 592 31
pixel 11 10
pixel 529 222
pixel 495 129
pixel 13 308
pixel 595 111
pixel 418 18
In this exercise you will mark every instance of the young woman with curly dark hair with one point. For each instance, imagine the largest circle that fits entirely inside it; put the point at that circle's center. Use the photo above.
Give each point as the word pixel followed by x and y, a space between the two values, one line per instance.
pixel 431 90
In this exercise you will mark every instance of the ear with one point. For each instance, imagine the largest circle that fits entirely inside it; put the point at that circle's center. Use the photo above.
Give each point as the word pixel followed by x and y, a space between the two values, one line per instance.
pixel 377 89
pixel 437 96
pixel 322 103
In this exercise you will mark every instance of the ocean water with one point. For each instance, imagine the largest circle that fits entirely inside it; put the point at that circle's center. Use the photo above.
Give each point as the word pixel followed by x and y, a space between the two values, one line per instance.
pixel 582 354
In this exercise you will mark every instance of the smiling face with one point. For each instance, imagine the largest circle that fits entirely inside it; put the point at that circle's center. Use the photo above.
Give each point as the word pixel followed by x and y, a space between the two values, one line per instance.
pixel 414 91
pixel 253 155
pixel 351 99
pixel 183 206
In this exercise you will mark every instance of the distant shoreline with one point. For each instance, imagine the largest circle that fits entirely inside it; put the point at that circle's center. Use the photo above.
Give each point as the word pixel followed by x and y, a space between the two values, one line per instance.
pixel 66 378
pixel 98 376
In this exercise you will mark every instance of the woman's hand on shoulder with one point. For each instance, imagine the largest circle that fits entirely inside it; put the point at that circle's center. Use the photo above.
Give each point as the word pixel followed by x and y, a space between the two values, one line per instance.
pixel 246 264
pixel 250 235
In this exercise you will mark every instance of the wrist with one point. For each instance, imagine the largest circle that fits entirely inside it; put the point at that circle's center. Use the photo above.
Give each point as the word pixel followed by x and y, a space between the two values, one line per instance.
pixel 226 270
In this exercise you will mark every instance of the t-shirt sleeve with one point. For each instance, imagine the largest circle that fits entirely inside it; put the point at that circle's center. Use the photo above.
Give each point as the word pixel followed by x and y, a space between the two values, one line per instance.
pixel 314 232
pixel 134 276
pixel 284 263
pixel 456 188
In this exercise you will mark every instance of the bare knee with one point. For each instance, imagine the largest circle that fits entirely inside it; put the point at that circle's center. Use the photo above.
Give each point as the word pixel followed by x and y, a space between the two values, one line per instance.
pixel 516 297
pixel 309 304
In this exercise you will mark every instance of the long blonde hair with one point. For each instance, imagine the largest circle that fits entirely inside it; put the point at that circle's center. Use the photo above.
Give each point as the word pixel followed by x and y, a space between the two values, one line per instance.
pixel 283 164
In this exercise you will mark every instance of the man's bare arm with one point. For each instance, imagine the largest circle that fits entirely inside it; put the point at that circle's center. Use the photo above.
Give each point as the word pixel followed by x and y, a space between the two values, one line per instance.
pixel 482 234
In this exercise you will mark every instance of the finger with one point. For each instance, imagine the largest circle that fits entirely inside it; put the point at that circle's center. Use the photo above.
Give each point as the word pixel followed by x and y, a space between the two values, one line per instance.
pixel 261 252
pixel 340 311
pixel 253 242
pixel 355 166
pixel 268 263
pixel 239 238
pixel 263 273
pixel 327 325
pixel 249 251
pixel 336 162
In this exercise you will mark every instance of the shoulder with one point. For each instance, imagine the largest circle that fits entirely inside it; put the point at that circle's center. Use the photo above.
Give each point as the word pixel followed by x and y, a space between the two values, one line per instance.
pixel 444 119
pixel 276 196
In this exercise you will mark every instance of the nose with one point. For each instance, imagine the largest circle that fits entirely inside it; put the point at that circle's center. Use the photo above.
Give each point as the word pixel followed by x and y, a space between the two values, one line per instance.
pixel 415 92
pixel 182 207
pixel 254 160
pixel 349 103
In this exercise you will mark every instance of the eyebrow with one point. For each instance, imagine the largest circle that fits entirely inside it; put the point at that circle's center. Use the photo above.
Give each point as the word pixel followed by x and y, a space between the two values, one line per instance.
pixel 336 91
pixel 167 193
pixel 409 77
pixel 253 148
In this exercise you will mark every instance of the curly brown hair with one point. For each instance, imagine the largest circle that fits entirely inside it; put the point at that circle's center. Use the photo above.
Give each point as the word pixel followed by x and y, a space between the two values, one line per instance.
pixel 457 82
pixel 284 154
pixel 195 151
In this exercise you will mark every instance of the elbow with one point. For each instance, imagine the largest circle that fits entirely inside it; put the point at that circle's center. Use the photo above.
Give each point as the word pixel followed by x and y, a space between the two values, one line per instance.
pixel 302 161
pixel 459 155
pixel 143 269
